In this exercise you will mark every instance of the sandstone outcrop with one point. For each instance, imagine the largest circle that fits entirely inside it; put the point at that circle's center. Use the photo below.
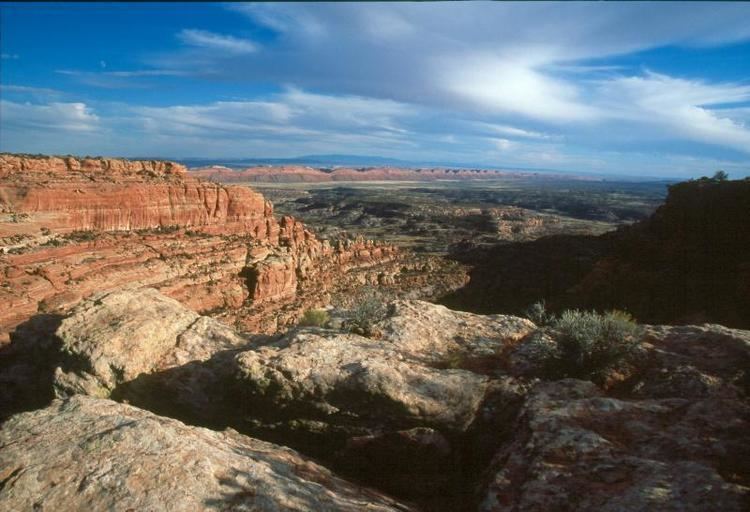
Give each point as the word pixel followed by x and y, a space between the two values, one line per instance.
pixel 115 337
pixel 576 449
pixel 93 454
pixel 119 195
pixel 434 408
pixel 333 395
pixel 73 227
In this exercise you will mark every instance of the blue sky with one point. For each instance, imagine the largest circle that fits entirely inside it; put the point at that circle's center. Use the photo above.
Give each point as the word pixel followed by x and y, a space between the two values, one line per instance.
pixel 660 89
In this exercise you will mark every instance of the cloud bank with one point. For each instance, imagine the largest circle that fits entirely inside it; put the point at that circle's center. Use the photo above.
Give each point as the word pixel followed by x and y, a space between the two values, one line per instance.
pixel 524 84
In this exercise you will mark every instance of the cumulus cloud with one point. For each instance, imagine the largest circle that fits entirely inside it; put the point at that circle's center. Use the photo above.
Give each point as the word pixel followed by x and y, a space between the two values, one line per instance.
pixel 56 116
pixel 211 40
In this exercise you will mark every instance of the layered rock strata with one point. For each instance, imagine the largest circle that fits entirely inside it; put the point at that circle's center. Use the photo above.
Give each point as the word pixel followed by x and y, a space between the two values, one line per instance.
pixel 70 227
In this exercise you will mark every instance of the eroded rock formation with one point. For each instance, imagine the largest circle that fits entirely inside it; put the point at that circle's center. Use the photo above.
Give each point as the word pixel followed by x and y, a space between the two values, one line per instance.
pixel 71 227
pixel 437 408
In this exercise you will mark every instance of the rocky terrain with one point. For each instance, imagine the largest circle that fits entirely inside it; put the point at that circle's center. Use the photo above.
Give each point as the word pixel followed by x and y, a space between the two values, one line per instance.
pixel 70 227
pixel 108 456
pixel 441 217
pixel 442 409
pixel 155 358
pixel 687 263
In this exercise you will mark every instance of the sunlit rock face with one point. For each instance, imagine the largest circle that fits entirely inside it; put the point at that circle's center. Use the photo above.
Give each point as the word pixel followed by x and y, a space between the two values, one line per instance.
pixel 72 227
pixel 103 455
pixel 437 407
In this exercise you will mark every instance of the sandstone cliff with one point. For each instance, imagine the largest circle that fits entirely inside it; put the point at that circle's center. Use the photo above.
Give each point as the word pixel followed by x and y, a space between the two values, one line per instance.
pixel 70 227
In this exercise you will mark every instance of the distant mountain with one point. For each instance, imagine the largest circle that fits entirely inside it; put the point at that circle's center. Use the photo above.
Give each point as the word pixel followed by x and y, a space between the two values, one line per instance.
pixel 359 161
pixel 314 160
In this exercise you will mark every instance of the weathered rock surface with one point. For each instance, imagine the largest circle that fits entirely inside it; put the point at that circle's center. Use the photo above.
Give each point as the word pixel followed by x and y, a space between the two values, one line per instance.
pixel 437 408
pixel 344 377
pixel 439 336
pixel 115 337
pixel 93 454
pixel 576 449
pixel 73 227
pixel 332 395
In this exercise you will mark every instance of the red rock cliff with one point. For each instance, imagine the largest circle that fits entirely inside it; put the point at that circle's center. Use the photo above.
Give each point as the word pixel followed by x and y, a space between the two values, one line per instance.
pixel 70 227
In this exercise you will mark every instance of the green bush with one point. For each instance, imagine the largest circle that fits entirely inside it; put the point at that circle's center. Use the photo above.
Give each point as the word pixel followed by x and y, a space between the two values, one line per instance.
pixel 366 313
pixel 315 318
pixel 587 345
pixel 82 235
pixel 537 313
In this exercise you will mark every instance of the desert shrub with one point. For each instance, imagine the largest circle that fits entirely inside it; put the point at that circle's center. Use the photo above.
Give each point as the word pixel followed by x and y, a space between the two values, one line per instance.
pixel 366 313
pixel 537 313
pixel 82 236
pixel 315 318
pixel 588 345
pixel 720 176
pixel 53 242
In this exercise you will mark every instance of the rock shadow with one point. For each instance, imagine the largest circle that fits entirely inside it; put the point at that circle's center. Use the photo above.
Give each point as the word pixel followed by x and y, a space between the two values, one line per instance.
pixel 27 365
pixel 435 468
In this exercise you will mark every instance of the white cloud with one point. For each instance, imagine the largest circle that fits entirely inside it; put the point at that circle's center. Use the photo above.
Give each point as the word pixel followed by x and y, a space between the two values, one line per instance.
pixel 504 129
pixel 293 114
pixel 513 85
pixel 678 107
pixel 213 41
pixel 41 91
pixel 291 21
pixel 504 144
pixel 9 56
pixel 56 116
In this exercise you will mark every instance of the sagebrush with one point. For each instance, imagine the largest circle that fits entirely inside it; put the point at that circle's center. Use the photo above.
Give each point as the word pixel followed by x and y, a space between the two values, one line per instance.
pixel 315 318
pixel 586 344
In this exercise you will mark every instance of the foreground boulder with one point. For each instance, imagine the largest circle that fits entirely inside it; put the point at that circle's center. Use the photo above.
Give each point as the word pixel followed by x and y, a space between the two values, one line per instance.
pixel 387 411
pixel 576 449
pixel 92 454
pixel 441 337
pixel 114 337
pixel 440 408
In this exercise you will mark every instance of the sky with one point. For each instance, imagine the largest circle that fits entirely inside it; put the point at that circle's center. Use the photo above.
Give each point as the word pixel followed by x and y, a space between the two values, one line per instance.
pixel 647 89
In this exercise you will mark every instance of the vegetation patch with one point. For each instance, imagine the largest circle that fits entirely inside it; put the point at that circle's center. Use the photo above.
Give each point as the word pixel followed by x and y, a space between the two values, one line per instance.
pixel 315 318
pixel 370 310
pixel 584 344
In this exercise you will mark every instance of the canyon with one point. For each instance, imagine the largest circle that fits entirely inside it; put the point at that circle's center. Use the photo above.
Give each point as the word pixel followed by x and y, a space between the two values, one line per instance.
pixel 155 351
pixel 69 227
pixel 689 262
